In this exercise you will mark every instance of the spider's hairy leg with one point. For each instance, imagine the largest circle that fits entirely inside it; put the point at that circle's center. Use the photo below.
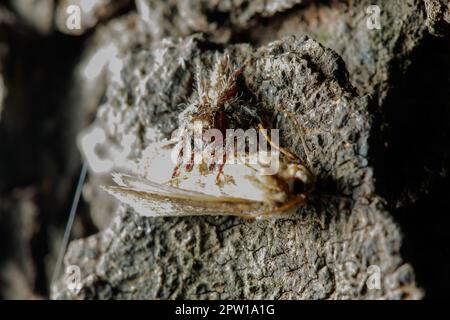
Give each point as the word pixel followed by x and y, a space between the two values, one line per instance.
pixel 220 170
pixel 176 170
pixel 190 165
pixel 231 88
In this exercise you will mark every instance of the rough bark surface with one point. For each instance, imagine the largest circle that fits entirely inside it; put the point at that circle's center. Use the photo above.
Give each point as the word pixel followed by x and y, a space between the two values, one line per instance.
pixel 324 251
pixel 438 17
pixel 378 136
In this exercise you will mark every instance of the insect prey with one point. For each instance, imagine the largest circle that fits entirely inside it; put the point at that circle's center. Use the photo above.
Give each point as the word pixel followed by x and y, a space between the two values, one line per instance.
pixel 227 174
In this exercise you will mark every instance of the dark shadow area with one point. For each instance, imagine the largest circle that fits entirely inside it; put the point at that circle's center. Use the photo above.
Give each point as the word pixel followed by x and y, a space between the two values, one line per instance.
pixel 426 239
pixel 37 150
pixel 412 163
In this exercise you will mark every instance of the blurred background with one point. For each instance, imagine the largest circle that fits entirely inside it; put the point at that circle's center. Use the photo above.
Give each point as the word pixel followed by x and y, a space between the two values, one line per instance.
pixel 39 159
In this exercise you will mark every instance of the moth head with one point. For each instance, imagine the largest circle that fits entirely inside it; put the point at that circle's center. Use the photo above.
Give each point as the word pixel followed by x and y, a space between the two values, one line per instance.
pixel 299 178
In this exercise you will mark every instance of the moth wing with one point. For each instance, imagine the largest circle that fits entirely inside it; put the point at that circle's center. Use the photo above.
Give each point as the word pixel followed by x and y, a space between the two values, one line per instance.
pixel 149 198
pixel 145 185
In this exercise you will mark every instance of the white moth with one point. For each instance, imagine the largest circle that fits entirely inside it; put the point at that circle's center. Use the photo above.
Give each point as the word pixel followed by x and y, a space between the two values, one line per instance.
pixel 244 190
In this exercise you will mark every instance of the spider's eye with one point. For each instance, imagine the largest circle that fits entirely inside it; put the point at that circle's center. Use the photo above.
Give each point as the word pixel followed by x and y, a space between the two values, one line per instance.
pixel 298 187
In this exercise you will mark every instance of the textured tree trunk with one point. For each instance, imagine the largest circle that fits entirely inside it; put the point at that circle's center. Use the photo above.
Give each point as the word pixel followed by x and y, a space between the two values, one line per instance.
pixel 343 243
pixel 368 85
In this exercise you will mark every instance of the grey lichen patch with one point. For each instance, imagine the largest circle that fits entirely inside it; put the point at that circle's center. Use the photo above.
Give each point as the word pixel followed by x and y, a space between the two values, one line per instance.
pixel 325 251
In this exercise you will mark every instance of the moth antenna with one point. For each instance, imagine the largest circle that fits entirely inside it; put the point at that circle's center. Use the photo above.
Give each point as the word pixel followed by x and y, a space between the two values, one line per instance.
pixel 284 151
pixel 302 132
